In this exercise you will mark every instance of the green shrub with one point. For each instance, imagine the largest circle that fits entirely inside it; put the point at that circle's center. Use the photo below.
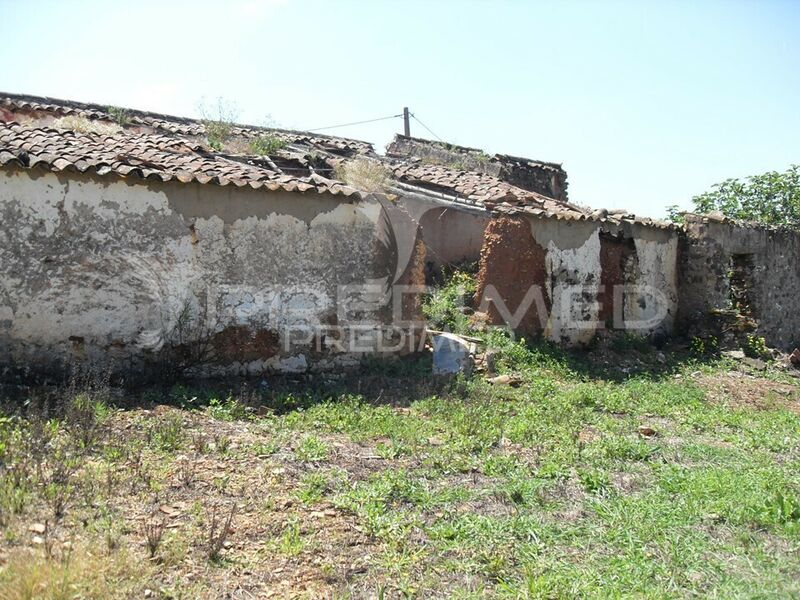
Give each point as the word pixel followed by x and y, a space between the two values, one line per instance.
pixel 266 144
pixel 756 347
pixel 704 346
pixel 229 409
pixel 444 308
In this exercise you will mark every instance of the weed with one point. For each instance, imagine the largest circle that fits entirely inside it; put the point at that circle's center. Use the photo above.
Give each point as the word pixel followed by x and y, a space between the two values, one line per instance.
pixel 85 416
pixel 780 509
pixel 291 542
pixel 56 479
pixel 85 572
pixel 200 443
pixel 447 308
pixel 313 487
pixel 364 174
pixel 84 125
pixel 229 410
pixel 626 342
pixel 153 530
pixel 218 530
pixel 187 471
pixel 756 347
pixel 218 121
pixel 266 144
pixel 593 481
pixel 167 433
pixel 311 449
pixel 222 443
pixel 120 116
pixel 111 530
pixel 704 346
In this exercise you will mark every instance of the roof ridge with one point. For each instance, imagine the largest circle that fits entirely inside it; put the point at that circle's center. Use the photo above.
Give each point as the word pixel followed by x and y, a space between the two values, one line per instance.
pixel 76 104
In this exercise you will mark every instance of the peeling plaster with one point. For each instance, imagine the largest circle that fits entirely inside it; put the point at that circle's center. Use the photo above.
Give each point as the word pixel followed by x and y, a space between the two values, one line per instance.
pixel 657 261
pixel 115 265
pixel 571 272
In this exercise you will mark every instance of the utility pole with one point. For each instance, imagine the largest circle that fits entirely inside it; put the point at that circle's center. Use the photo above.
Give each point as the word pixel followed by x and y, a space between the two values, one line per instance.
pixel 406 123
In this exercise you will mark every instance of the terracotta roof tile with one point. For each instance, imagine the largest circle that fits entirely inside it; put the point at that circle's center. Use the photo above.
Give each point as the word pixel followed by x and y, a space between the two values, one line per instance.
pixel 474 188
pixel 166 148
pixel 145 155
pixel 178 125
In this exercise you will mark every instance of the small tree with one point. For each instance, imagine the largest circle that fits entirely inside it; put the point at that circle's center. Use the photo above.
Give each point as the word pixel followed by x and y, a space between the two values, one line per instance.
pixel 772 198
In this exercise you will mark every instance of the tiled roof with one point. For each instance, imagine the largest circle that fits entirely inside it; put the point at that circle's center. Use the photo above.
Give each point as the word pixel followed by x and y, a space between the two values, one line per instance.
pixel 602 216
pixel 475 188
pixel 147 156
pixel 155 122
pixel 160 147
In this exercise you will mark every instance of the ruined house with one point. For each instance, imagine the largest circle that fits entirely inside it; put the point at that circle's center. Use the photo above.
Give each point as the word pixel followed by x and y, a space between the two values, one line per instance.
pixel 130 238
pixel 451 191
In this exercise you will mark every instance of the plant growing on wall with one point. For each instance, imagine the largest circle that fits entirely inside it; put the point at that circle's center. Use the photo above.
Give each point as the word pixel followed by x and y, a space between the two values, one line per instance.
pixel 772 198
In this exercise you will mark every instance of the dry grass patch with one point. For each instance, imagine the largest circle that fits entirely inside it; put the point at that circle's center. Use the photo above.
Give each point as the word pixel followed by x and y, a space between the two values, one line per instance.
pixel 84 125
pixel 742 390
pixel 363 174
pixel 84 572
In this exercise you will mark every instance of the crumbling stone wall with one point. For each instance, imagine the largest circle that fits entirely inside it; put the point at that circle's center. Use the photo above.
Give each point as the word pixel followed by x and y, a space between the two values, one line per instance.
pixel 590 276
pixel 105 271
pixel 724 264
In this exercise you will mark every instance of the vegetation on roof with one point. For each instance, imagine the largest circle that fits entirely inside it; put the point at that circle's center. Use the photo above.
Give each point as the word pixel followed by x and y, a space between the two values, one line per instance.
pixel 84 125
pixel 363 174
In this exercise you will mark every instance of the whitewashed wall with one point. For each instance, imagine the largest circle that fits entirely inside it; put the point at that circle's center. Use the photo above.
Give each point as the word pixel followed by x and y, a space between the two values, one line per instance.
pixel 101 269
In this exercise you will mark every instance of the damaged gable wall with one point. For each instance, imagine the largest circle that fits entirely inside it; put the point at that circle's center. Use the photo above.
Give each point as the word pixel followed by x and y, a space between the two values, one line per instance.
pixel 98 269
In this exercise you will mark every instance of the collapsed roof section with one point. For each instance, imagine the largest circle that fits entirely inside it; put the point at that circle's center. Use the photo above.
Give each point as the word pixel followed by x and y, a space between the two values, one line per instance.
pixel 543 178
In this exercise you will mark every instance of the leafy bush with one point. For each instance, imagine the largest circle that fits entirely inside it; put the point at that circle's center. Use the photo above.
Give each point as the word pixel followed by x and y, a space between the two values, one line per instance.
pixel 772 198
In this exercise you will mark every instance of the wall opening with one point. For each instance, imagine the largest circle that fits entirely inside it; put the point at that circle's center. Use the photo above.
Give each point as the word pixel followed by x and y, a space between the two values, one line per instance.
pixel 741 283
pixel 618 263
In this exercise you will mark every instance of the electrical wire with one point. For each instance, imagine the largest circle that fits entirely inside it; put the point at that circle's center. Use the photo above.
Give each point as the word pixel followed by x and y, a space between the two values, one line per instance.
pixel 356 123
pixel 426 127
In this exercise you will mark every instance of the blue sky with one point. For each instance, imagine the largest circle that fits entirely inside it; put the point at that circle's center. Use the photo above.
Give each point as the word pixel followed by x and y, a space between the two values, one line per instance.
pixel 645 103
